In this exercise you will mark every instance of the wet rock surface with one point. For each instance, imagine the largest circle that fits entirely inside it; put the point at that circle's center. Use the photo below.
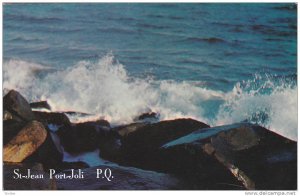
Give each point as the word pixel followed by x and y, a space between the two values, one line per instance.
pixel 25 143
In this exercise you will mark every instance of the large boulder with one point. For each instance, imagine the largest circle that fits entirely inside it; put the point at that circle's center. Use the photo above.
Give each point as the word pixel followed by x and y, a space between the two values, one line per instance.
pixel 87 136
pixel 25 143
pixel 11 128
pixel 120 178
pixel 55 118
pixel 258 158
pixel 9 116
pixel 78 138
pixel 110 146
pixel 17 105
pixel 49 153
pixel 141 143
pixel 124 130
pixel 104 124
pixel 11 182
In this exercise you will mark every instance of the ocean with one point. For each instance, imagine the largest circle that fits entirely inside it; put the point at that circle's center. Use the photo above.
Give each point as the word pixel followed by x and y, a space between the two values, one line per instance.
pixel 219 63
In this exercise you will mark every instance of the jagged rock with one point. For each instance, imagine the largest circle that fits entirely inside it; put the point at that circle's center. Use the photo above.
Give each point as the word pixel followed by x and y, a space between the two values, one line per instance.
pixel 10 183
pixel 52 118
pixel 140 147
pixel 124 178
pixel 16 104
pixel 40 104
pixel 26 142
pixel 258 158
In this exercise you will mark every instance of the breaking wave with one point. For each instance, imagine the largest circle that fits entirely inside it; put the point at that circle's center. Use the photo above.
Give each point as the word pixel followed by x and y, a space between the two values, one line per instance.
pixel 105 89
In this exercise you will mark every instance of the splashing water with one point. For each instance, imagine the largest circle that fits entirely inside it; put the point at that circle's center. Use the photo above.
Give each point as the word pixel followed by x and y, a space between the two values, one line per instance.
pixel 268 101
pixel 104 88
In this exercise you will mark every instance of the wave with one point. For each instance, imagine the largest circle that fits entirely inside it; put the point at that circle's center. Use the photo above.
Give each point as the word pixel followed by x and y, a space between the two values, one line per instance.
pixel 105 89
pixel 116 30
pixel 211 40
pixel 24 39
pixel 32 19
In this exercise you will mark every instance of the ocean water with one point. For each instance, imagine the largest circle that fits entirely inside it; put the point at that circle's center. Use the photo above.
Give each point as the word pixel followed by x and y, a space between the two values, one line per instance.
pixel 218 63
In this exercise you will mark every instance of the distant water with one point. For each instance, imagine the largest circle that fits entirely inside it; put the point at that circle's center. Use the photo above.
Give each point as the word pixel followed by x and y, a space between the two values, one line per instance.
pixel 218 63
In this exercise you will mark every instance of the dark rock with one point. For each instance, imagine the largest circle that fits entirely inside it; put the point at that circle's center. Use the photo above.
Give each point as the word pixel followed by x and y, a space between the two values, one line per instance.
pixel 103 123
pixel 7 116
pixel 77 113
pixel 110 146
pixel 52 118
pixel 258 158
pixel 16 104
pixel 12 124
pixel 89 136
pixel 126 129
pixel 40 104
pixel 140 147
pixel 26 142
pixel 49 154
pixel 11 128
pixel 81 137
pixel 124 178
pixel 9 183
pixel 149 116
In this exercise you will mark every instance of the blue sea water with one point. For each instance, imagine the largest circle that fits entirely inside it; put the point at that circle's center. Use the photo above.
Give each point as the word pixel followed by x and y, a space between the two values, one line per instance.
pixel 218 63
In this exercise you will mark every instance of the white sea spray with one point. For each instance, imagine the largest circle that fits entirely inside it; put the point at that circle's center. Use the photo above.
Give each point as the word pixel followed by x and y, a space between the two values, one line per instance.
pixel 104 89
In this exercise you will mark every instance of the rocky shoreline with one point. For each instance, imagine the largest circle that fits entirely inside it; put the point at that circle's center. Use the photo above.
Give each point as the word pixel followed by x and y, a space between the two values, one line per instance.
pixel 180 154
